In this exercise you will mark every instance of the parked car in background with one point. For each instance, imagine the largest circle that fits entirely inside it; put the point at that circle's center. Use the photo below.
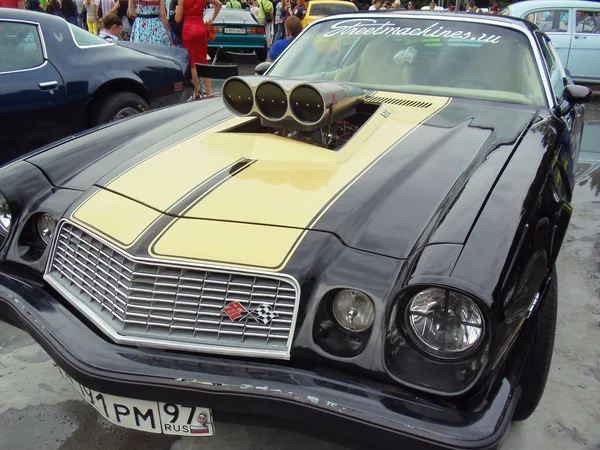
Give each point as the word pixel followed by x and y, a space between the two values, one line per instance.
pixel 321 8
pixel 361 243
pixel 237 30
pixel 57 79
pixel 573 26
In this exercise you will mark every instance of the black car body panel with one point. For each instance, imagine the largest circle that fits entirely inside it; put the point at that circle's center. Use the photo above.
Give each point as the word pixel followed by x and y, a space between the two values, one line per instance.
pixel 37 116
pixel 473 197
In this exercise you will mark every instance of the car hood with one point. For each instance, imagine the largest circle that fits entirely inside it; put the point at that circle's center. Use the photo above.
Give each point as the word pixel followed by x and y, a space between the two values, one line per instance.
pixel 391 184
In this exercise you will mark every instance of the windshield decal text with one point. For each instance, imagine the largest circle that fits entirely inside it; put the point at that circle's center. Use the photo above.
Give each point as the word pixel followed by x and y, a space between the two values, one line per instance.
pixel 373 27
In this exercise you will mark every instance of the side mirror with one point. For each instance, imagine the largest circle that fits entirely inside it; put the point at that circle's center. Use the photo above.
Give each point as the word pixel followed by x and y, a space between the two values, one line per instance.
pixel 575 94
pixel 262 68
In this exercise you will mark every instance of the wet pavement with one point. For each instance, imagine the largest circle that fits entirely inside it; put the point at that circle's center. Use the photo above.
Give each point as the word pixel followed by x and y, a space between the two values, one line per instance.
pixel 590 144
pixel 40 410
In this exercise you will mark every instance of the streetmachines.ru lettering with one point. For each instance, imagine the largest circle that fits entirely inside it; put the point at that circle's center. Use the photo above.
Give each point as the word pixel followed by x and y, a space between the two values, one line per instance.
pixel 371 27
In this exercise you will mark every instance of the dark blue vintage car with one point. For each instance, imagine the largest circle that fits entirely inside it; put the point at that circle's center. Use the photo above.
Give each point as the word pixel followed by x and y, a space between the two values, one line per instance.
pixel 57 79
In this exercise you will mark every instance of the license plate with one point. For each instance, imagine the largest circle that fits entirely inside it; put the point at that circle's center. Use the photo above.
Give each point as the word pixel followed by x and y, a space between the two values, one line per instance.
pixel 149 416
pixel 234 30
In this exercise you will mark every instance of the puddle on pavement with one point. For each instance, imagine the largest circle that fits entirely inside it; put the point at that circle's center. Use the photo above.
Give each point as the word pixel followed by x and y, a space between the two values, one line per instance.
pixel 590 141
pixel 587 177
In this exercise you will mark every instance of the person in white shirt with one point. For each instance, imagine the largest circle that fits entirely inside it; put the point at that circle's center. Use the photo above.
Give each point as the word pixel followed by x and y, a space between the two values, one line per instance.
pixel 376 6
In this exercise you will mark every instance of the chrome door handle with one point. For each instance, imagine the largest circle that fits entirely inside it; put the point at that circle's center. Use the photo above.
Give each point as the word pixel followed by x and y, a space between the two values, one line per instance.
pixel 48 85
pixel 580 37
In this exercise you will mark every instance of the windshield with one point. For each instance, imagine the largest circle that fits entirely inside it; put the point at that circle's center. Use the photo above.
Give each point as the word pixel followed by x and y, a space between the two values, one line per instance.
pixel 451 58
pixel 327 9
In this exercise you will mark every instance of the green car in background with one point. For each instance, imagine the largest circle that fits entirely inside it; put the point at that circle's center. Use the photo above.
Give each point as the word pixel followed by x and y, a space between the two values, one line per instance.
pixel 237 30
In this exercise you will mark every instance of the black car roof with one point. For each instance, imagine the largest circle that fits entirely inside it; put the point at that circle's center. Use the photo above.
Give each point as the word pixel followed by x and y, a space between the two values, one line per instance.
pixel 32 16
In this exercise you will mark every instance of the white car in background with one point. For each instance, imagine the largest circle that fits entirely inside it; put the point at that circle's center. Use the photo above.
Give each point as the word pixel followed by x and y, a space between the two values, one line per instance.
pixel 574 28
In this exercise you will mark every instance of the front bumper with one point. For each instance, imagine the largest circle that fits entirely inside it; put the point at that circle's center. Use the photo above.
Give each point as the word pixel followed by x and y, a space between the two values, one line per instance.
pixel 243 391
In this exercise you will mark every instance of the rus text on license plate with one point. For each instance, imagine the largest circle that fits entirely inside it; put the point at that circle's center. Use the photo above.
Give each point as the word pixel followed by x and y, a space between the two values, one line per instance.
pixel 149 416
pixel 234 30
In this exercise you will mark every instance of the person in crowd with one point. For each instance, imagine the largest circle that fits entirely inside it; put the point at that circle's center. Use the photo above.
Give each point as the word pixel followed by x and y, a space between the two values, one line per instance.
pixel 397 5
pixel 69 11
pixel 234 4
pixel 120 10
pixel 285 11
pixel 472 8
pixel 54 7
pixel 265 18
pixel 151 25
pixel 34 5
pixel 91 8
pixel 112 27
pixel 495 9
pixel 293 27
pixel 411 6
pixel 278 23
pixel 175 27
pixel 79 6
pixel 254 8
pixel 375 5
pixel 105 7
pixel 195 37
pixel 300 9
pixel 17 4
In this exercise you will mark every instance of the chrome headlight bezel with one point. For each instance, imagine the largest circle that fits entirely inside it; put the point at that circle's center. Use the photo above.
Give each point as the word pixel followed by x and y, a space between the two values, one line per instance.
pixel 46 230
pixel 357 304
pixel 473 326
pixel 6 216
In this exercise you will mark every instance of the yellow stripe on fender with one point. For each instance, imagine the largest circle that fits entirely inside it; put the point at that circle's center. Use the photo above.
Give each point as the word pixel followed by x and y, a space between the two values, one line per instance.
pixel 292 194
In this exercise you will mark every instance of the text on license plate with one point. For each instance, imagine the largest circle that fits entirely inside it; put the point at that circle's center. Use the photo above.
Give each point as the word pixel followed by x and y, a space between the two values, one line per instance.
pixel 149 416
pixel 234 30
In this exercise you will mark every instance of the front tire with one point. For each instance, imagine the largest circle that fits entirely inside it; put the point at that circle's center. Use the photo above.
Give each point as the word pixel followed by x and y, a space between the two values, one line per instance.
pixel 537 364
pixel 117 106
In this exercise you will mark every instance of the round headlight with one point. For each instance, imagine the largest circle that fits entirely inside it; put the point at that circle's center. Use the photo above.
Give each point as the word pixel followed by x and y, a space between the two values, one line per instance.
pixel 46 225
pixel 353 310
pixel 444 323
pixel 5 215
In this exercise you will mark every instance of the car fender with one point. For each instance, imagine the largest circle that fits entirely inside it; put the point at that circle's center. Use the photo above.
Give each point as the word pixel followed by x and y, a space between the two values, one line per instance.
pixel 510 252
pixel 125 82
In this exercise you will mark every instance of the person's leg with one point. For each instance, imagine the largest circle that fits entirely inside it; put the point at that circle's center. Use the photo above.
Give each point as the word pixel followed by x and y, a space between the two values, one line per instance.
pixel 268 33
pixel 207 85
pixel 195 81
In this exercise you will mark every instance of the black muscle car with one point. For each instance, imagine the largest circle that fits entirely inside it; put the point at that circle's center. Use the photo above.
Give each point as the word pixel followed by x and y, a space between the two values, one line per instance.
pixel 362 245
pixel 57 79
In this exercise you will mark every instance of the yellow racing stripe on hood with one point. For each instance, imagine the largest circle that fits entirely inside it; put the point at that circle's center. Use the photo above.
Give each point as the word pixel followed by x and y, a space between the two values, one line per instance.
pixel 115 217
pixel 291 194
pixel 162 181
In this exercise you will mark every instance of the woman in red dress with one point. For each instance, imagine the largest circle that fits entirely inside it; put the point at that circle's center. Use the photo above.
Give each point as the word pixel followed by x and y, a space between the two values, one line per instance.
pixel 194 36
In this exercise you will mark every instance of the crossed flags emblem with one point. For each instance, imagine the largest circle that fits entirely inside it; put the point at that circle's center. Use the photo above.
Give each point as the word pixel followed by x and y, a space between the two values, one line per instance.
pixel 263 313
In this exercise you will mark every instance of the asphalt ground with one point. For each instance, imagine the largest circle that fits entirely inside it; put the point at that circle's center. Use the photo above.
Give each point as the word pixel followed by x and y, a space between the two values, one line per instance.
pixel 40 410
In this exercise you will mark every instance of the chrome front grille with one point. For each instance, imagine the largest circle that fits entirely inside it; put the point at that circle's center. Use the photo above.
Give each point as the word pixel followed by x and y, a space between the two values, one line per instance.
pixel 147 303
